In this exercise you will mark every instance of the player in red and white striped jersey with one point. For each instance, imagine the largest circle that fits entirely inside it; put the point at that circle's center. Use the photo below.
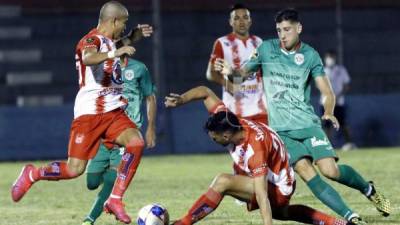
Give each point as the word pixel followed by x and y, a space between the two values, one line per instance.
pixel 265 179
pixel 244 98
pixel 97 113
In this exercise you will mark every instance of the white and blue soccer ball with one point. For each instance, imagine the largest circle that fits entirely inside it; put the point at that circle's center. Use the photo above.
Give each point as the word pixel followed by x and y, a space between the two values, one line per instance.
pixel 153 214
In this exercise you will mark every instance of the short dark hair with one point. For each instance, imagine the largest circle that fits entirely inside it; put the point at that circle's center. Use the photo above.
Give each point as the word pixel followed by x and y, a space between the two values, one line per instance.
pixel 223 121
pixel 288 14
pixel 331 52
pixel 237 6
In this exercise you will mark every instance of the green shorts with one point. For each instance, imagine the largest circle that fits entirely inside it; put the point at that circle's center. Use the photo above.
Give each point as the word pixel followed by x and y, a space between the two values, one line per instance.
pixel 104 159
pixel 309 143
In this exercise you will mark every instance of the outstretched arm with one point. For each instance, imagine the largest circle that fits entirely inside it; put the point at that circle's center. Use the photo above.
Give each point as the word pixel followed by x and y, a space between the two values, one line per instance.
pixel 197 93
pixel 229 73
pixel 324 86
pixel 134 35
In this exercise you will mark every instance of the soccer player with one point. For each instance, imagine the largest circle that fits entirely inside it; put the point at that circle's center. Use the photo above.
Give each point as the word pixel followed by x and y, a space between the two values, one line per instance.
pixel 97 112
pixel 102 168
pixel 265 180
pixel 244 98
pixel 288 66
pixel 340 81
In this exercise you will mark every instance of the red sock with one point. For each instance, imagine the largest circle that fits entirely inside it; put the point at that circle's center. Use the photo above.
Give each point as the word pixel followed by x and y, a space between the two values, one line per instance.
pixel 53 171
pixel 127 168
pixel 206 204
pixel 305 214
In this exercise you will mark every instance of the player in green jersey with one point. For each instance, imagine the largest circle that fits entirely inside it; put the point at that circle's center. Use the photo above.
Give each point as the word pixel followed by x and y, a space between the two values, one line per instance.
pixel 288 67
pixel 103 167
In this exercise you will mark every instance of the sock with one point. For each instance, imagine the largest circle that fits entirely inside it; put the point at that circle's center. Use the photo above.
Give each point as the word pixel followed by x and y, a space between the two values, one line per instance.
pixel 327 195
pixel 93 180
pixel 53 171
pixel 206 204
pixel 127 168
pixel 97 208
pixel 350 177
pixel 305 214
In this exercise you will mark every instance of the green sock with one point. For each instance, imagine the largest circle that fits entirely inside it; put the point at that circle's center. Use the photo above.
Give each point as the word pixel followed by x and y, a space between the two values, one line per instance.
pixel 327 195
pixel 349 177
pixel 108 183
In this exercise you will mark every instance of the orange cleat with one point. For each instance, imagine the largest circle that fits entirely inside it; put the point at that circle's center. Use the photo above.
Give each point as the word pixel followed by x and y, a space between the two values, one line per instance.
pixel 22 184
pixel 116 207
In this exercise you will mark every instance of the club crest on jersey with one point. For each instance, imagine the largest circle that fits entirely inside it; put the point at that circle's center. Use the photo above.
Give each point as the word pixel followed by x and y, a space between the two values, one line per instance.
pixel 299 58
pixel 129 74
pixel 79 138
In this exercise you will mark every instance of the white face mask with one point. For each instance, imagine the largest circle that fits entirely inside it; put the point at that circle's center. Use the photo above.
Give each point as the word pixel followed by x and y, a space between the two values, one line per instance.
pixel 329 61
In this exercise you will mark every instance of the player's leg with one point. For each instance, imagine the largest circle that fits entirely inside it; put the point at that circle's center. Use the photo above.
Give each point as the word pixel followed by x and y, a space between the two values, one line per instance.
pixel 99 172
pixel 240 187
pixel 53 171
pixel 301 161
pixel 124 132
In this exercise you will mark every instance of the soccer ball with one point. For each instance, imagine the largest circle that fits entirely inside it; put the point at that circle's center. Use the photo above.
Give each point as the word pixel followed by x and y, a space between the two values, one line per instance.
pixel 153 214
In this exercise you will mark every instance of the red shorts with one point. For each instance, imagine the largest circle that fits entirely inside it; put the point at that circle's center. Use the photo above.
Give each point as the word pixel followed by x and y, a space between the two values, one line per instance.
pixel 275 197
pixel 261 118
pixel 87 131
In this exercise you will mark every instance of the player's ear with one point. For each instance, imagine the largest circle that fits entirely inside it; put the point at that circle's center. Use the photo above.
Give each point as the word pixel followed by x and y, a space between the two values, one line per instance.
pixel 299 28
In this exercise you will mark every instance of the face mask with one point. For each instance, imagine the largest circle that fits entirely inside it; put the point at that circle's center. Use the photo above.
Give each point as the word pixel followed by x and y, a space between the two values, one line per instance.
pixel 329 62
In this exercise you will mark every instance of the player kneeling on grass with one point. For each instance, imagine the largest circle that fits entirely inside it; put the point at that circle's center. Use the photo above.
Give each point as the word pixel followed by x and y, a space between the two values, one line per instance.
pixel 265 179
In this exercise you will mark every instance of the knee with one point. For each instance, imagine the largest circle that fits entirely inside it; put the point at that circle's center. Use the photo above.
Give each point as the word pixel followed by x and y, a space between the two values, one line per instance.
pixel 305 169
pixel 93 180
pixel 221 182
pixel 330 172
pixel 134 145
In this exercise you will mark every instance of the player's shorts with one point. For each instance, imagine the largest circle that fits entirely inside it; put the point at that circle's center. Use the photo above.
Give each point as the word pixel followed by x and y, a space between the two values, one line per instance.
pixel 88 130
pixel 309 143
pixel 104 159
pixel 275 197
pixel 261 118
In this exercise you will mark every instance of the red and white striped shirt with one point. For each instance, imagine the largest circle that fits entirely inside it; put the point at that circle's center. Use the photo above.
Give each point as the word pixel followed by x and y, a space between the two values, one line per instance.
pixel 100 85
pixel 250 100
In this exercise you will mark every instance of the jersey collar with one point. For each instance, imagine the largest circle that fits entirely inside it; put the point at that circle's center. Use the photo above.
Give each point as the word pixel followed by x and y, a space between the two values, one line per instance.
pixel 296 48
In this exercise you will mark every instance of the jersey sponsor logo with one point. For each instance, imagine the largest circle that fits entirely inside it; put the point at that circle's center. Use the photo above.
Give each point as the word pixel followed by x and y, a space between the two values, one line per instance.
pixel 110 90
pixel 299 58
pixel 129 74
pixel 315 142
pixel 79 138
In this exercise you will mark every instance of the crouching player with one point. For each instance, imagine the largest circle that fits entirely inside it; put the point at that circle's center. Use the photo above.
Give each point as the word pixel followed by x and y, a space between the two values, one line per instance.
pixel 103 167
pixel 265 180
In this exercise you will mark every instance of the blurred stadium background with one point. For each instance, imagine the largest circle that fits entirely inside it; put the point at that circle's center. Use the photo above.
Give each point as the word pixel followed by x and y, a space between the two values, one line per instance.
pixel 38 80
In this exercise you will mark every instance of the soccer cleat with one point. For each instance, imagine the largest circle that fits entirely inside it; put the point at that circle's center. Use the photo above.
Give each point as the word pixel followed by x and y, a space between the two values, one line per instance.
pixel 381 203
pixel 356 220
pixel 22 184
pixel 87 223
pixel 116 207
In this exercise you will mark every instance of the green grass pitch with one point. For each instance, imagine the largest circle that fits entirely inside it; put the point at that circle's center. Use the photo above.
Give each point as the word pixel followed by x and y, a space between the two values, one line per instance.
pixel 177 181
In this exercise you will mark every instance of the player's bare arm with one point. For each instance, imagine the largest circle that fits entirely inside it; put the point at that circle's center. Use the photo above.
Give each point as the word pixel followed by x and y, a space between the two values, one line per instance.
pixel 90 56
pixel 324 86
pixel 261 191
pixel 134 35
pixel 151 106
pixel 197 93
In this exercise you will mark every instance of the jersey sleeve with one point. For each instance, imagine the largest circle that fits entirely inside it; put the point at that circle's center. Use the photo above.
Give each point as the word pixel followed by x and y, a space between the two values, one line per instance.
pixel 258 162
pixel 253 64
pixel 91 42
pixel 146 85
pixel 317 68
pixel 217 51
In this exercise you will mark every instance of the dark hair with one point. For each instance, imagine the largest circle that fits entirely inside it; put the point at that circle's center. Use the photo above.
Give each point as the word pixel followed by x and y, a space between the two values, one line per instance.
pixel 331 52
pixel 238 6
pixel 288 14
pixel 223 121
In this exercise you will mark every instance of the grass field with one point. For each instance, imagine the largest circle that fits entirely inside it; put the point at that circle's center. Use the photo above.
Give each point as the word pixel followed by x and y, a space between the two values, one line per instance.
pixel 177 181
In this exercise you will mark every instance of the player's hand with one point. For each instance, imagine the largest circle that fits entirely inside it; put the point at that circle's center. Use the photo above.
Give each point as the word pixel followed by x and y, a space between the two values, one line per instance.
pixel 332 119
pixel 150 137
pixel 125 50
pixel 223 67
pixel 173 100
pixel 141 31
